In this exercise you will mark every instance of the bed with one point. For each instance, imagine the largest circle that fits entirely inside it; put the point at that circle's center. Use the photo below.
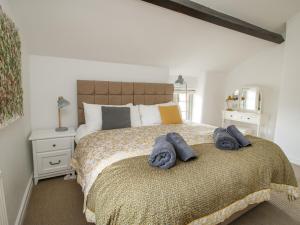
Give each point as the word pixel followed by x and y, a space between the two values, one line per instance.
pixel 121 188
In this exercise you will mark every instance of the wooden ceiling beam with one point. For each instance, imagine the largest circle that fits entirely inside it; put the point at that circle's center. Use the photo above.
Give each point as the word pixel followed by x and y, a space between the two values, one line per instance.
pixel 202 12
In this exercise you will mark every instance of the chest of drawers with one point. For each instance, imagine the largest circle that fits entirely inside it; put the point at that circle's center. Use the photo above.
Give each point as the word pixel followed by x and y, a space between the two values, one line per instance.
pixel 52 152
pixel 245 118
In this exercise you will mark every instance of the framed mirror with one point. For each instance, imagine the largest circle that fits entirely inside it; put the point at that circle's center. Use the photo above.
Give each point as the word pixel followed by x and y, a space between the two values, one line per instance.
pixel 236 94
pixel 235 99
pixel 250 99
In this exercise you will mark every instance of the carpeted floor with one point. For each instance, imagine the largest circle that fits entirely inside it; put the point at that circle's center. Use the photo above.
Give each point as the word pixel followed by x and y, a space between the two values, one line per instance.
pixel 59 202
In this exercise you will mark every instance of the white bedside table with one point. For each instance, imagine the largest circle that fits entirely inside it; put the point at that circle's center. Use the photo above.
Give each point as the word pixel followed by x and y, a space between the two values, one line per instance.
pixel 52 152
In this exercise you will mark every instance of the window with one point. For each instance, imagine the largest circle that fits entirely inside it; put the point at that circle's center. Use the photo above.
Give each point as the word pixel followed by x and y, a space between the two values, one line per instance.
pixel 185 103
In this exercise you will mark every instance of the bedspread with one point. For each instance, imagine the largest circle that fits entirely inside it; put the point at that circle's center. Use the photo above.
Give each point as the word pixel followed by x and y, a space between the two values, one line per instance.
pixel 98 150
pixel 206 190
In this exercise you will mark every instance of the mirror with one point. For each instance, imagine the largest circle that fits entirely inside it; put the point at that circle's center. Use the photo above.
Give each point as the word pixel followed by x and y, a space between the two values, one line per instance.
pixel 236 94
pixel 235 99
pixel 250 99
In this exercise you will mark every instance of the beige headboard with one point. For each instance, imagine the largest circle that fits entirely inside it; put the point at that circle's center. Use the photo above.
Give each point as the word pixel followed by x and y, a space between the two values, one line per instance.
pixel 121 93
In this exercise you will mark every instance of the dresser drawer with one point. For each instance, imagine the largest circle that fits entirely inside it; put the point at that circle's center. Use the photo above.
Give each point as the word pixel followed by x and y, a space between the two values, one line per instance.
pixel 230 115
pixel 53 144
pixel 249 118
pixel 50 162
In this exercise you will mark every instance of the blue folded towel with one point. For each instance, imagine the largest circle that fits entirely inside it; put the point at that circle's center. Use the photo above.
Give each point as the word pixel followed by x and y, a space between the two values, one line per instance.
pixel 241 139
pixel 183 150
pixel 223 140
pixel 163 154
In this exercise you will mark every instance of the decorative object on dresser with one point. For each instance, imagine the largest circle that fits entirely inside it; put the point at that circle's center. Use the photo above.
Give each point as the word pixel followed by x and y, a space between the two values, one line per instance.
pixel 11 93
pixel 230 103
pixel 61 103
pixel 52 152
pixel 244 109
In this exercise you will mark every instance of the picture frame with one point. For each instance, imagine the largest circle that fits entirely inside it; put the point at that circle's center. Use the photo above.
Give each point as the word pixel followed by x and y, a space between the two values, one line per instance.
pixel 11 92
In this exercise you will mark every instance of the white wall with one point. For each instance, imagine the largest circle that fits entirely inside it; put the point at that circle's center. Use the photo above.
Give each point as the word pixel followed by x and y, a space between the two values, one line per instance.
pixel 288 122
pixel 213 98
pixel 263 70
pixel 15 153
pixel 198 98
pixel 52 77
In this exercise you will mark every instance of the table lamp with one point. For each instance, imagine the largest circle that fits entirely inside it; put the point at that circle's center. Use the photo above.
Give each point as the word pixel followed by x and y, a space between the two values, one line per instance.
pixel 61 103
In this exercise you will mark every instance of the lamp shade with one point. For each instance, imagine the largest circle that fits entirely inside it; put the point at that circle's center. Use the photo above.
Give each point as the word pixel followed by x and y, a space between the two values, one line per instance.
pixel 61 102
pixel 180 80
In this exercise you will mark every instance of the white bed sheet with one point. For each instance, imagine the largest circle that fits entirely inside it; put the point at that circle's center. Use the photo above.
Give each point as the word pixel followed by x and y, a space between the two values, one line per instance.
pixel 82 131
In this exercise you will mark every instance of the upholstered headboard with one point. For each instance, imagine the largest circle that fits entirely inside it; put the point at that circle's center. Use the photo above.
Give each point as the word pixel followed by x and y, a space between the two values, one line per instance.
pixel 121 93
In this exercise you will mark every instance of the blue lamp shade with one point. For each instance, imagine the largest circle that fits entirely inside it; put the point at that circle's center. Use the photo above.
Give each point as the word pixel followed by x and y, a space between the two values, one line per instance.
pixel 61 103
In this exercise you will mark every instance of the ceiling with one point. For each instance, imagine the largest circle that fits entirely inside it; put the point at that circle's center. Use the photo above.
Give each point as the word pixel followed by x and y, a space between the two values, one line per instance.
pixel 268 14
pixel 136 32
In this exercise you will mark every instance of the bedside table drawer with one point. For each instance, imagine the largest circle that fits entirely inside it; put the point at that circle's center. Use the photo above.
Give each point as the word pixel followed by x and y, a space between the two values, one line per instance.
pixel 53 161
pixel 53 144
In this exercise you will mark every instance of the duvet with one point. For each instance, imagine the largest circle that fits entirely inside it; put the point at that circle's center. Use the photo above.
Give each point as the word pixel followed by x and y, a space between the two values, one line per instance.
pixel 121 188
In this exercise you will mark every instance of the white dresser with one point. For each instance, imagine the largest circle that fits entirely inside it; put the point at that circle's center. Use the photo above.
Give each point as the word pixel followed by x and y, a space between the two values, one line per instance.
pixel 247 120
pixel 52 152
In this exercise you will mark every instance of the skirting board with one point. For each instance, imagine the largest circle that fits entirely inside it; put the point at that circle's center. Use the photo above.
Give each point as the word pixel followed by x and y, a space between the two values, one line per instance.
pixel 24 203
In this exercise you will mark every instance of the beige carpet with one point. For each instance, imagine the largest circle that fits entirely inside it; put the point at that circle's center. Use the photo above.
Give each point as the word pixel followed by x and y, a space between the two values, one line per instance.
pixel 55 202
pixel 58 202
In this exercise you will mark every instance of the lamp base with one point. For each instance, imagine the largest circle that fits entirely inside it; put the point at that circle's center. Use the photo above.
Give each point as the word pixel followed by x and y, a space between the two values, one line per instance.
pixel 61 129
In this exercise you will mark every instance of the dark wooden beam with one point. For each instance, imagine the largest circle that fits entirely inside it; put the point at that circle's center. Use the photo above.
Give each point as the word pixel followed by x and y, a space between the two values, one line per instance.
pixel 204 13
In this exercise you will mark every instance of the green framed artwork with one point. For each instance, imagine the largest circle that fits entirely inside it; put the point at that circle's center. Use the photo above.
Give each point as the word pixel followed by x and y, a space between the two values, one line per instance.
pixel 11 93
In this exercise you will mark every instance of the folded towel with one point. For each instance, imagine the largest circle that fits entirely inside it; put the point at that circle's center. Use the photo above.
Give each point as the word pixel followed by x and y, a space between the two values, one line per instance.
pixel 224 140
pixel 183 150
pixel 163 154
pixel 234 132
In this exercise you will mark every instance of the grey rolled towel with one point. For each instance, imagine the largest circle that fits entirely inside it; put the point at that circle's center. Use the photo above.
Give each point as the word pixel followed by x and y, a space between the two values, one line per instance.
pixel 234 132
pixel 183 150
pixel 223 140
pixel 163 154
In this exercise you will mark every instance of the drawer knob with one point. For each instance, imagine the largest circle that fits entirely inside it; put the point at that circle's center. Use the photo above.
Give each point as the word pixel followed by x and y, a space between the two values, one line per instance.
pixel 54 145
pixel 56 163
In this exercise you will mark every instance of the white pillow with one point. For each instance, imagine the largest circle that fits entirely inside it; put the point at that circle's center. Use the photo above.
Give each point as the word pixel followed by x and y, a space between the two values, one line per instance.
pixel 150 114
pixel 93 115
pixel 167 104
pixel 135 116
pixel 81 132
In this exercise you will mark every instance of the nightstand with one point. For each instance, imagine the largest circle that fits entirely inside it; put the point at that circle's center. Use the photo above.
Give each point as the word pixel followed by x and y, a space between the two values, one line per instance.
pixel 52 152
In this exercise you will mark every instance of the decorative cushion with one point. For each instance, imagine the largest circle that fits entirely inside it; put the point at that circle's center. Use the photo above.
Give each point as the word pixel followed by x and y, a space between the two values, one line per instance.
pixel 93 115
pixel 115 117
pixel 170 114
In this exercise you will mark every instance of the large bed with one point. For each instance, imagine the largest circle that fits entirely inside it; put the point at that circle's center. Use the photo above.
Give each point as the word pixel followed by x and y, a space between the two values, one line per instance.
pixel 215 188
